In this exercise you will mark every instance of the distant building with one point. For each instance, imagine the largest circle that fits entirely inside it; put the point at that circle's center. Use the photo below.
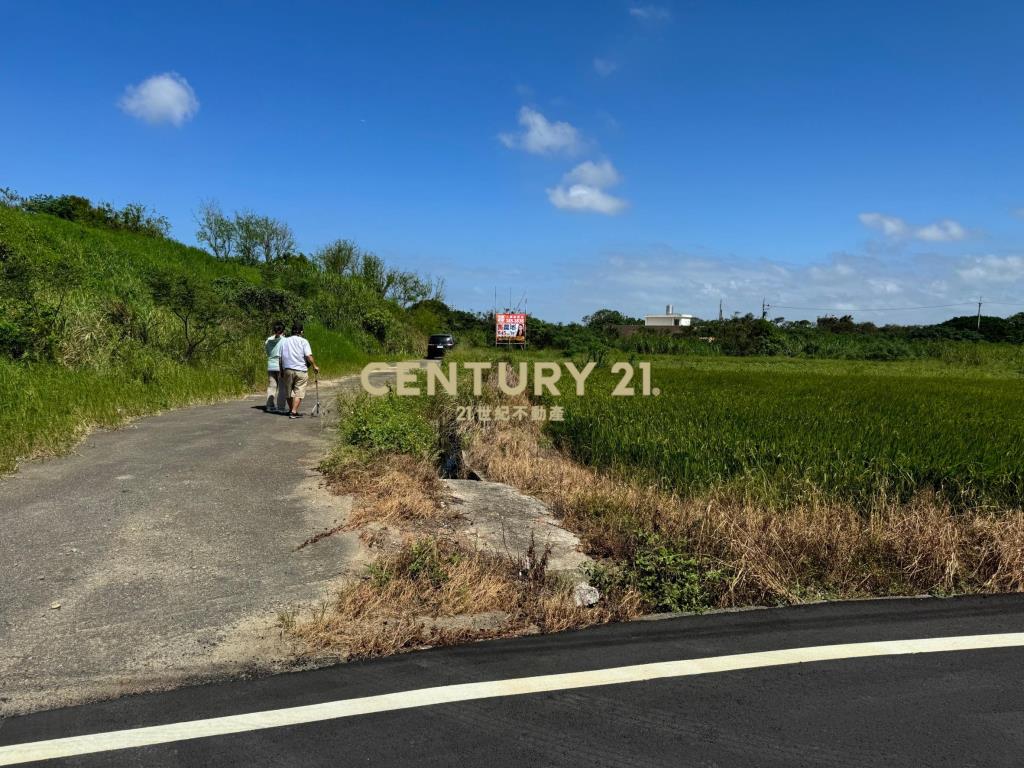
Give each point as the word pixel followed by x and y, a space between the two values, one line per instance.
pixel 670 319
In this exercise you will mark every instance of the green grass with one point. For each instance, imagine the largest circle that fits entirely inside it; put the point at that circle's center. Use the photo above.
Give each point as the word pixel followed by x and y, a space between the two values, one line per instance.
pixel 104 370
pixel 48 407
pixel 995 361
pixel 781 431
pixel 110 261
pixel 390 424
pixel 335 353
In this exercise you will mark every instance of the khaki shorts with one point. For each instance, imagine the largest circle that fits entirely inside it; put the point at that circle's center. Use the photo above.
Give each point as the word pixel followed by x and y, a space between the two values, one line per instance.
pixel 295 382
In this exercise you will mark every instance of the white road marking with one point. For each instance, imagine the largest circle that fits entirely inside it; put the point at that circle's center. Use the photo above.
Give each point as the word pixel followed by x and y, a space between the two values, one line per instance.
pixel 18 754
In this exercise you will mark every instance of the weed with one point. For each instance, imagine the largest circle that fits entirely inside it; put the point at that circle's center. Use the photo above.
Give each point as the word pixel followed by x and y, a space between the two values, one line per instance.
pixel 423 560
pixel 534 567
pixel 390 424
pixel 390 488
pixel 664 574
pixel 413 596
pixel 287 619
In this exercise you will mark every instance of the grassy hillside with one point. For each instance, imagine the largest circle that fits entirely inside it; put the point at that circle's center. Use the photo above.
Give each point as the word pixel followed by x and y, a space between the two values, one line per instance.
pixel 98 325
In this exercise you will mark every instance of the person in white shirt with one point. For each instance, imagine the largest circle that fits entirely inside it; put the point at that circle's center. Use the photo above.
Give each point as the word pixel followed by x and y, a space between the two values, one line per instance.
pixel 296 359
pixel 275 382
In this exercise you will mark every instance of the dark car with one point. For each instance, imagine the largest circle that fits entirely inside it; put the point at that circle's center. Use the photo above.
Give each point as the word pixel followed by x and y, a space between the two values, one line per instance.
pixel 438 344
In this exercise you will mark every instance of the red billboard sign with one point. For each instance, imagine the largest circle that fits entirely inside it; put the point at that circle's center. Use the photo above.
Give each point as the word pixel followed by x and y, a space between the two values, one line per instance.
pixel 510 327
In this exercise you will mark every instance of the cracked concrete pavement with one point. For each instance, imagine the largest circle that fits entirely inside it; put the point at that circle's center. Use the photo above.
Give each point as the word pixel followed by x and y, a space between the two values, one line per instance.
pixel 169 546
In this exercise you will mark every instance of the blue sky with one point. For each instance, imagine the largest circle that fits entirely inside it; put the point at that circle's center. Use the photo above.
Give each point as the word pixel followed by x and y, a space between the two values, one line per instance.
pixel 848 155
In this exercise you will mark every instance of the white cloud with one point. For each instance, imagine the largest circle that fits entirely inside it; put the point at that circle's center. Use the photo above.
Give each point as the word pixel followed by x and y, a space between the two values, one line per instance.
pixel 942 231
pixel 166 98
pixel 605 67
pixel 583 189
pixel 891 226
pixel 883 287
pixel 602 174
pixel 1019 213
pixel 650 13
pixel 993 269
pixel 540 136
pixel 581 197
pixel 640 279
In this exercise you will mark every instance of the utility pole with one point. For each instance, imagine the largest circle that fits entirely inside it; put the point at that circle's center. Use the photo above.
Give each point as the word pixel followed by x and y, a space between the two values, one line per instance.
pixel 526 311
pixel 979 313
pixel 764 309
pixel 720 318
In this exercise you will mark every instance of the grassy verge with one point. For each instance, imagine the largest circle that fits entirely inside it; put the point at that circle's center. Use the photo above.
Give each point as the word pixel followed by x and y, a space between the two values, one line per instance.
pixel 431 591
pixel 101 325
pixel 49 407
pixel 425 587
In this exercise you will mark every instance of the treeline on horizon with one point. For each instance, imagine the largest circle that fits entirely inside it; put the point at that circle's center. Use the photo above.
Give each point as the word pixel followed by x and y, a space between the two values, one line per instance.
pixel 607 331
pixel 252 273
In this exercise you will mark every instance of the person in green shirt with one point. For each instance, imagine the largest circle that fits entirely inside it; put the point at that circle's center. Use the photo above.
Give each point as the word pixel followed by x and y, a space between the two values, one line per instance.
pixel 275 389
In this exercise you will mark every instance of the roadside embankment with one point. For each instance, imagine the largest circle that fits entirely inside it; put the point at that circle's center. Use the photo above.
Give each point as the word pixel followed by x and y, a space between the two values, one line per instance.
pixel 455 559
pixel 644 548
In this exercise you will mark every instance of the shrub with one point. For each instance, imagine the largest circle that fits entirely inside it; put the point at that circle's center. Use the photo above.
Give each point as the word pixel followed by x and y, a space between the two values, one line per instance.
pixel 134 217
pixel 391 424
pixel 376 323
pixel 15 338
pixel 664 574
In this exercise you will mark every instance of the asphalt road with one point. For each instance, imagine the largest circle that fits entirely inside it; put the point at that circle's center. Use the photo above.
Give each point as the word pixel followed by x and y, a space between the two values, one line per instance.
pixel 160 552
pixel 950 708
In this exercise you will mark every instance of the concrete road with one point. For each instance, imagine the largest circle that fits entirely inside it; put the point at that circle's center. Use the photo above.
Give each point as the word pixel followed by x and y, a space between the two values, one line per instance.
pixel 926 691
pixel 160 553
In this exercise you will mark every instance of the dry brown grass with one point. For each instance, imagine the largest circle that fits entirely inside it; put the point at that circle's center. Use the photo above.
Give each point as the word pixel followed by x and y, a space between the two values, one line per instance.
pixel 435 592
pixel 424 589
pixel 392 489
pixel 814 551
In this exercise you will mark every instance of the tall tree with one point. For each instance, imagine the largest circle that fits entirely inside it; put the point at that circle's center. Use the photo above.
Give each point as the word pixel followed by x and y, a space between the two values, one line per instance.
pixel 338 258
pixel 408 288
pixel 275 239
pixel 375 274
pixel 262 238
pixel 248 236
pixel 216 230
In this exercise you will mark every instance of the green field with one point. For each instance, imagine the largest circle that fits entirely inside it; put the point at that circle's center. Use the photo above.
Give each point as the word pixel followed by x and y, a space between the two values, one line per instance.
pixel 780 431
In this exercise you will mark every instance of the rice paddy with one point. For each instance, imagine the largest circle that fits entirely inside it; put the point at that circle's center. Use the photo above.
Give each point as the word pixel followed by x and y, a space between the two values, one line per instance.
pixel 862 433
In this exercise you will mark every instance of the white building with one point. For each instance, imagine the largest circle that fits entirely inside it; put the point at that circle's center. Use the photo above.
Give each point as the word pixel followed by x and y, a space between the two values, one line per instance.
pixel 670 319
